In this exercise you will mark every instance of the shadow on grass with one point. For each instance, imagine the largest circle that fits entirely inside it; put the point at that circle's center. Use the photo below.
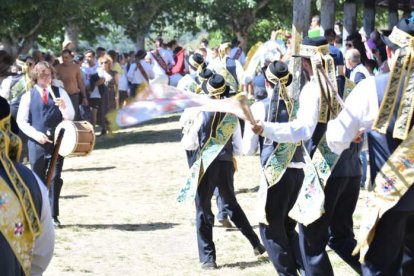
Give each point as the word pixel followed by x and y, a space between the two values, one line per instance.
pixel 90 169
pixel 234 228
pixel 124 227
pixel 73 196
pixel 141 137
pixel 243 265
pixel 246 190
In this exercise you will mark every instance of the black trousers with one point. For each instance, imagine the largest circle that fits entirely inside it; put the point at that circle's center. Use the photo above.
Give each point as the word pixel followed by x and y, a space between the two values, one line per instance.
pixel 279 237
pixel 39 157
pixel 334 228
pixel 219 174
pixel 391 252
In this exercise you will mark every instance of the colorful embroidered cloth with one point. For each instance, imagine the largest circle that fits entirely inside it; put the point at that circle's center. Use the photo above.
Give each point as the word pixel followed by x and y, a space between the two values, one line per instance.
pixel 392 182
pixel 208 154
pixel 157 100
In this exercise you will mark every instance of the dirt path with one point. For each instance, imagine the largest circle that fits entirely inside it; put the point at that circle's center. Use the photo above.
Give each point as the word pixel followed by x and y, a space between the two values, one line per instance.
pixel 120 216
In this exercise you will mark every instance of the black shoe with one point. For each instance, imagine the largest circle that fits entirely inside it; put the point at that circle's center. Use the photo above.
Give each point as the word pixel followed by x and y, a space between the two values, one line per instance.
pixel 259 250
pixel 56 222
pixel 209 265
pixel 103 132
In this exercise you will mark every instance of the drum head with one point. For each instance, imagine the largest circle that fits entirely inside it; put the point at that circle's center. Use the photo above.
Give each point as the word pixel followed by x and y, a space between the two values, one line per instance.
pixel 69 140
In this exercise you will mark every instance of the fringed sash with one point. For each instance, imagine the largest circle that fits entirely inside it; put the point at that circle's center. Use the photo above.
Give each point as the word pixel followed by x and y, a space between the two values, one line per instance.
pixel 403 65
pixel 392 182
pixel 19 221
pixel 208 154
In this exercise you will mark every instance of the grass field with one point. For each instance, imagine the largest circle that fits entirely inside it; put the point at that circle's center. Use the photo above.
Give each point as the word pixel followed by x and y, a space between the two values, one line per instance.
pixel 120 215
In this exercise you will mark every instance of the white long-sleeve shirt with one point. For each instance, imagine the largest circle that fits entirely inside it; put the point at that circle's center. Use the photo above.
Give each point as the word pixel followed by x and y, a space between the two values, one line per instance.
pixel 134 74
pixel 190 139
pixel 251 140
pixel 361 109
pixel 68 113
pixel 306 120
pixel 45 242
pixel 166 56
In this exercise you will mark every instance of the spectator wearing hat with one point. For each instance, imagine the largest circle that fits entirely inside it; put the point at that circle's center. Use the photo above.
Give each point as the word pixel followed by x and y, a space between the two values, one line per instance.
pixel 29 249
pixel 190 81
pixel 40 111
pixel 386 239
pixel 217 173
pixel 140 72
pixel 334 227
pixel 277 197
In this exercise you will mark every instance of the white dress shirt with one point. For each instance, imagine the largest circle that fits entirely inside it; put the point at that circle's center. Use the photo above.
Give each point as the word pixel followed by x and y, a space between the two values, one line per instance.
pixel 303 126
pixel 68 113
pixel 134 74
pixel 45 242
pixel 192 120
pixel 166 56
pixel 361 109
pixel 251 140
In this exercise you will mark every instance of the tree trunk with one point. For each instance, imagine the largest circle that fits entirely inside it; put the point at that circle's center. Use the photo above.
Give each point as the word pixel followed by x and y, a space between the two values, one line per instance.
pixel 13 46
pixel 301 19
pixel 327 14
pixel 369 16
pixel 71 33
pixel 140 41
pixel 350 12
pixel 393 14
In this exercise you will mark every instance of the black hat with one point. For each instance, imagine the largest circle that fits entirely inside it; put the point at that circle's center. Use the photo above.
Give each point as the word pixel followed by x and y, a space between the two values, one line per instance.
pixel 4 108
pixel 195 61
pixel 400 35
pixel 215 86
pixel 140 54
pixel 278 71
pixel 312 45
pixel 205 74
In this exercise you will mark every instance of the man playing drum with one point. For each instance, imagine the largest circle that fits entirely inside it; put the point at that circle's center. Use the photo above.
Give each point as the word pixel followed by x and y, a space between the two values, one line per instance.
pixel 40 111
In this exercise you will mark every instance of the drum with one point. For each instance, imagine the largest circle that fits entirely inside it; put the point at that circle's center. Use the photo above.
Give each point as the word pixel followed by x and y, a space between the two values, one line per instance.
pixel 78 139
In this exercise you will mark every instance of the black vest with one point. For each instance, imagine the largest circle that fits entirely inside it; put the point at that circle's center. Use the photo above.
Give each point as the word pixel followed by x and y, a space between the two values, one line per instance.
pixel 9 265
pixel 282 116
pixel 209 127
pixel 43 117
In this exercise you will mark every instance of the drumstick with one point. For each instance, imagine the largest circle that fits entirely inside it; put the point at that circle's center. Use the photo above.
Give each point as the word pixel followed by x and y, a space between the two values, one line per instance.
pixel 53 94
pixel 242 99
pixel 53 160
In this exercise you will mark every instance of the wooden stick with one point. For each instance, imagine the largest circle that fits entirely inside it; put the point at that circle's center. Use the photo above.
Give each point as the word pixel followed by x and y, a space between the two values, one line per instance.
pixel 242 99
pixel 53 160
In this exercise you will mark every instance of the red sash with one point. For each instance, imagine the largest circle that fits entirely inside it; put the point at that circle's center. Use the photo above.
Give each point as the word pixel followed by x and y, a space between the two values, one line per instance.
pixel 179 66
pixel 238 53
pixel 160 61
